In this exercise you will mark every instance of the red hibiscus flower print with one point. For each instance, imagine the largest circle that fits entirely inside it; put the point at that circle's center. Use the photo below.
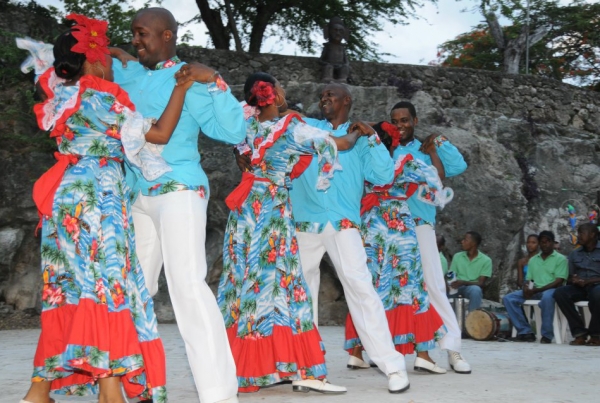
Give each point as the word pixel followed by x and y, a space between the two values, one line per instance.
pixel 272 256
pixel 327 167
pixel 294 246
pixel 113 131
pixel 100 290
pixel 117 294
pixel 202 192
pixel 256 207
pixel 415 304
pixel 71 224
pixel 117 107
pixel 403 280
pixel 345 224
pixel 69 134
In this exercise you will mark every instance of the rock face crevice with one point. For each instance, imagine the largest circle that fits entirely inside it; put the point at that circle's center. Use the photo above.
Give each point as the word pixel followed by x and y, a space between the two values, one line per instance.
pixel 532 146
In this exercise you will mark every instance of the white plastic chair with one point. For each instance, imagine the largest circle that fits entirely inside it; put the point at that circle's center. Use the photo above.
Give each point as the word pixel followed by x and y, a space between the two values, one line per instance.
pixel 534 304
pixel 584 310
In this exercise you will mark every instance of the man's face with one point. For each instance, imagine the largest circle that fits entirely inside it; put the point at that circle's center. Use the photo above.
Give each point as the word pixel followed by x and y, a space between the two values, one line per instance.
pixel 148 40
pixel 586 236
pixel 404 121
pixel 467 242
pixel 546 245
pixel 334 100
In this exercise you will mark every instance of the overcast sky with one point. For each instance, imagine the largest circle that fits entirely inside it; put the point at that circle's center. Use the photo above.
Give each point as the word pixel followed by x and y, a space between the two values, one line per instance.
pixel 415 43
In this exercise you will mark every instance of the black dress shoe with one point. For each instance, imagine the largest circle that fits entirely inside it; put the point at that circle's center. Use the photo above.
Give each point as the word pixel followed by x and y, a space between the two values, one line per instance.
pixel 545 340
pixel 529 337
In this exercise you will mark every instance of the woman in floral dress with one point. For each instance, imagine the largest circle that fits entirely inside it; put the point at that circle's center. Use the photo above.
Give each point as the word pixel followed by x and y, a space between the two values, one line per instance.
pixel 98 324
pixel 393 257
pixel 262 293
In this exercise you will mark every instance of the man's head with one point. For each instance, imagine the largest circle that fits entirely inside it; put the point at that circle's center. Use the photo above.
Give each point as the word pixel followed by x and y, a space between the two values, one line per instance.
pixel 335 102
pixel 154 35
pixel 546 239
pixel 404 116
pixel 587 234
pixel 441 241
pixel 471 240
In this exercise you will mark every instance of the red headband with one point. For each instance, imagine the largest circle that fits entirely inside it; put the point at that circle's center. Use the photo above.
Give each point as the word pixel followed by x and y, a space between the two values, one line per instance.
pixel 91 38
pixel 393 132
pixel 264 92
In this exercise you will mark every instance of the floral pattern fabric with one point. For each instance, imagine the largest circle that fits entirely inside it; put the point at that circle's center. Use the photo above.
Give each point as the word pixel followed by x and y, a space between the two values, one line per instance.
pixel 262 294
pixel 97 316
pixel 394 261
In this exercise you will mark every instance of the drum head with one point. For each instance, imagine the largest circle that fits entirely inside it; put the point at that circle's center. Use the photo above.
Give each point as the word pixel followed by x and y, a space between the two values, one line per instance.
pixel 480 325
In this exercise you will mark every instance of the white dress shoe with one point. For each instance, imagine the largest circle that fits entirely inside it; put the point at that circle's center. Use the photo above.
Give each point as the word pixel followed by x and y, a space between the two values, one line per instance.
pixel 457 363
pixel 233 399
pixel 357 363
pixel 398 382
pixel 317 385
pixel 422 365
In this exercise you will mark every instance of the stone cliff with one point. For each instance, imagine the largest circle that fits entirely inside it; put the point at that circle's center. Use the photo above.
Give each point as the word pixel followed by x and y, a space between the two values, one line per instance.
pixel 532 146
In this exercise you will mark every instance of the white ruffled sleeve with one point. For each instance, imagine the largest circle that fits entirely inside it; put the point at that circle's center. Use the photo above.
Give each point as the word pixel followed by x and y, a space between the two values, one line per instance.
pixel 41 56
pixel 141 154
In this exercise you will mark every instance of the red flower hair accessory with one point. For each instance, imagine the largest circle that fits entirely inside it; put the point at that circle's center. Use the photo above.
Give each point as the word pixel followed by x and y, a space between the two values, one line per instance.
pixel 91 38
pixel 264 93
pixel 393 132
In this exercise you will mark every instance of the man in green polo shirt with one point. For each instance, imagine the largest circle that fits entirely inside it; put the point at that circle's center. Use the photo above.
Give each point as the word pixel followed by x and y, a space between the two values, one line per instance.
pixel 471 267
pixel 546 271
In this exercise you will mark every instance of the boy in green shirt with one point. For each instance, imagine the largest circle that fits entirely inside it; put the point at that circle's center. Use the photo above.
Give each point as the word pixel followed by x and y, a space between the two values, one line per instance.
pixel 471 267
pixel 546 271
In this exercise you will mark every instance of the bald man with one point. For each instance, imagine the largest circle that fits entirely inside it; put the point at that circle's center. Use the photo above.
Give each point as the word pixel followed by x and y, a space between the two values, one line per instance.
pixel 328 221
pixel 170 213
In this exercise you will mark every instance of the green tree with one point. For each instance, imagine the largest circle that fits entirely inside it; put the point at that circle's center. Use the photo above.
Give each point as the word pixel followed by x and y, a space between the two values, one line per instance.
pixel 248 23
pixel 570 49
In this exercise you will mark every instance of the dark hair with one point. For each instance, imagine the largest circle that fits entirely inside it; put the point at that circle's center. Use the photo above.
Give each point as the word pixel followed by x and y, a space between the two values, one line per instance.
pixel 252 78
pixel 67 64
pixel 589 227
pixel 475 236
pixel 406 105
pixel 546 234
pixel 385 138
pixel 442 240
pixel 532 236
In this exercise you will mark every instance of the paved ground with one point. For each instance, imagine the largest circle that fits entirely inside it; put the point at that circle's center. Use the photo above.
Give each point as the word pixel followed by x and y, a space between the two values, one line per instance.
pixel 502 372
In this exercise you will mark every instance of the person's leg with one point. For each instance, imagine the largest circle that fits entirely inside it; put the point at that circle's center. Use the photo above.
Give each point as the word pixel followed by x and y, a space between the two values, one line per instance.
pixel 147 244
pixel 565 298
pixel 180 220
pixel 348 255
pixel 475 296
pixel 436 287
pixel 39 392
pixel 593 292
pixel 513 303
pixel 311 251
pixel 110 390
pixel 547 306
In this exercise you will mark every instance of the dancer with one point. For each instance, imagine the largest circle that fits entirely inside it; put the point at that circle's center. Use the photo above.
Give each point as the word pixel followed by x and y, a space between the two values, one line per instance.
pixel 262 293
pixel 388 232
pixel 98 324
pixel 170 212
pixel 437 151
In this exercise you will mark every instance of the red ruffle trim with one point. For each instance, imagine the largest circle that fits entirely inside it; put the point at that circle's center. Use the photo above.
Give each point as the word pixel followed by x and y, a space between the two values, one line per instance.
pixel 259 357
pixel 89 324
pixel 402 321
pixel 280 128
pixel 85 82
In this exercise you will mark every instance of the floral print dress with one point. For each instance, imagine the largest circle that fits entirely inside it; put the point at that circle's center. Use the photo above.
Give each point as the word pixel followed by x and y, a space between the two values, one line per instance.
pixel 97 316
pixel 262 294
pixel 393 257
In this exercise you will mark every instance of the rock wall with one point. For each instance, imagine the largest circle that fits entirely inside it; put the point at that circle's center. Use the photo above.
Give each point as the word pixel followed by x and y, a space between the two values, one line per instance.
pixel 531 144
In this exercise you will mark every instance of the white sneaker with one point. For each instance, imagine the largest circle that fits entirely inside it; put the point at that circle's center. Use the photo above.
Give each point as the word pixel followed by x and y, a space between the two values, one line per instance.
pixel 398 382
pixel 357 363
pixel 457 363
pixel 422 365
pixel 317 385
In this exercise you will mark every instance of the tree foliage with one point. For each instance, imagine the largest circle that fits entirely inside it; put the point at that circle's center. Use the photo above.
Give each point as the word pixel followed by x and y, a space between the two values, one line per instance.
pixel 248 23
pixel 569 50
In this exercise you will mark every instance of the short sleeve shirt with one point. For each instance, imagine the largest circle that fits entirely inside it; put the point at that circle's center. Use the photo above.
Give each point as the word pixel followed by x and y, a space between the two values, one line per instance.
pixel 471 270
pixel 545 271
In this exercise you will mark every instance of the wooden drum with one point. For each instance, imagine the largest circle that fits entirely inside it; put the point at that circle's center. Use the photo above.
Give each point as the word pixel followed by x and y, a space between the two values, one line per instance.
pixel 486 325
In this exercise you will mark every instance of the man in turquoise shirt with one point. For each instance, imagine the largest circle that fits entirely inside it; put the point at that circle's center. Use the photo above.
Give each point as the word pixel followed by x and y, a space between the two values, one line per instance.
pixel 472 267
pixel 548 270
pixel 436 150
pixel 327 221
pixel 170 213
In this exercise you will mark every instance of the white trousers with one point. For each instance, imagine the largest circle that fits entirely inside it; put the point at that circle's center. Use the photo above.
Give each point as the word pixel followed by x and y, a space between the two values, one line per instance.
pixel 436 286
pixel 171 229
pixel 345 248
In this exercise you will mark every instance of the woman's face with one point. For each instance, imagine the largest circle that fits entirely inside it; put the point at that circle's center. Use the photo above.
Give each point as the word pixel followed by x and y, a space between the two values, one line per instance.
pixel 532 244
pixel 280 101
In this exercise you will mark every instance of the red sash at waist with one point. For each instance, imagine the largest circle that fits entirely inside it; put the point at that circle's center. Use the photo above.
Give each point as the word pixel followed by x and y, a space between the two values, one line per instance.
pixel 373 199
pixel 238 196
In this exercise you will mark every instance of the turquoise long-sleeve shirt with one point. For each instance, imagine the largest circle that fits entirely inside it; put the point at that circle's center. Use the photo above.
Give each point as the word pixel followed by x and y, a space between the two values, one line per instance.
pixel 454 164
pixel 340 204
pixel 210 108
